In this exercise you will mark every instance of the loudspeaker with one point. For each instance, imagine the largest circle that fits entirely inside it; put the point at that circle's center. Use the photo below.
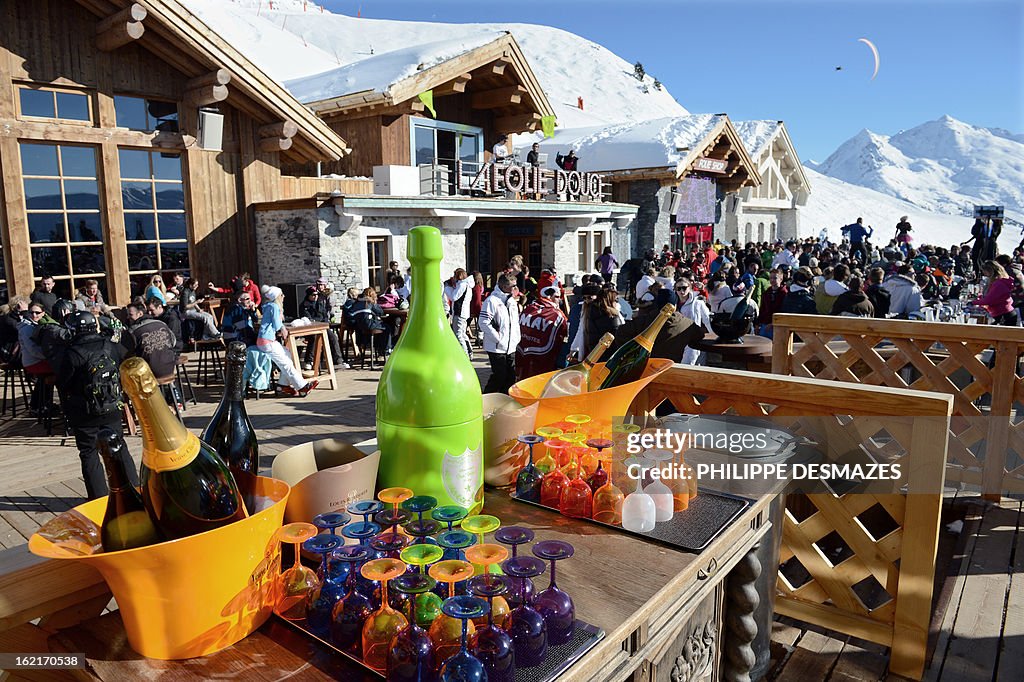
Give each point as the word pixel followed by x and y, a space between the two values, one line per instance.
pixel 211 130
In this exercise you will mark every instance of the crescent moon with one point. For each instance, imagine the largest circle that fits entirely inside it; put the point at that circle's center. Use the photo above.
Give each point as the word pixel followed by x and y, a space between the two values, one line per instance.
pixel 874 51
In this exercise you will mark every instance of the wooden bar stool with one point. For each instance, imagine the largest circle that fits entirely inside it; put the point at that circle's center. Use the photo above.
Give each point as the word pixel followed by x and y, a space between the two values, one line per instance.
pixel 166 387
pixel 367 342
pixel 14 377
pixel 211 360
pixel 181 372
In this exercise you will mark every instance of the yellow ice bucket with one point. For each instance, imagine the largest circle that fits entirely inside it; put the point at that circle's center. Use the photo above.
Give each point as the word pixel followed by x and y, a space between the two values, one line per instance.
pixel 195 595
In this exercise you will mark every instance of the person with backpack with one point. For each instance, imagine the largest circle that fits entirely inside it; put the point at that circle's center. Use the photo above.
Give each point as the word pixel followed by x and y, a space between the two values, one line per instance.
pixel 87 377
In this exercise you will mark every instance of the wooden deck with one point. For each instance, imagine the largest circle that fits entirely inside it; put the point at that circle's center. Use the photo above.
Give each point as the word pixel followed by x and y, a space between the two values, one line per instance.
pixel 977 624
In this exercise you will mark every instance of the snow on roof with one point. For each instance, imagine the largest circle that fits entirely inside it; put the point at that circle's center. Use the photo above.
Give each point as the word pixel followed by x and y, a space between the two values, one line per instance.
pixel 381 71
pixel 756 134
pixel 658 143
pixel 294 39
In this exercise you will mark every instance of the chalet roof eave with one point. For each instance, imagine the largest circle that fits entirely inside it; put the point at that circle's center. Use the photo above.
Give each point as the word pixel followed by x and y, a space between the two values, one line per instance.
pixel 723 127
pixel 804 182
pixel 209 48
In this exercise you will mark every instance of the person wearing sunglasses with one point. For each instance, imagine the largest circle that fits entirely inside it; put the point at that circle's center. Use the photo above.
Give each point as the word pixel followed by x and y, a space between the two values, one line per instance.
pixel 33 359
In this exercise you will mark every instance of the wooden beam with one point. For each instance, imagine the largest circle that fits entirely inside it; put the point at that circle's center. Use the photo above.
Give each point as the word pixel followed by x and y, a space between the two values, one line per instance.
pixel 121 28
pixel 454 86
pixel 499 97
pixel 497 67
pixel 515 124
pixel 215 77
pixel 279 129
pixel 274 144
pixel 208 94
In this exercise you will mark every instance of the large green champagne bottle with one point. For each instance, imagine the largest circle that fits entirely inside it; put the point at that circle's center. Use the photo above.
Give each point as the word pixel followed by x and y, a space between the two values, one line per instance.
pixel 429 405
pixel 186 487
pixel 627 364
pixel 126 524
pixel 230 432
pixel 576 378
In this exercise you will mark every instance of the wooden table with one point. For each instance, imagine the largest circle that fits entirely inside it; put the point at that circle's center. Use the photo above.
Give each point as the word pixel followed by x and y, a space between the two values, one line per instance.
pixel 400 315
pixel 318 333
pixel 653 602
pixel 754 354
pixel 215 306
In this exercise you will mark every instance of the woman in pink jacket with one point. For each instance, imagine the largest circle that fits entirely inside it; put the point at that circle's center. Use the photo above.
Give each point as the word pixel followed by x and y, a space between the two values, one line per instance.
pixel 998 296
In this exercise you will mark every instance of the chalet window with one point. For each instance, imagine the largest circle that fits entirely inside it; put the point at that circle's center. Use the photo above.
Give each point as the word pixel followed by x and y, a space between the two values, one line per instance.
pixel 63 211
pixel 62 105
pixel 376 262
pixel 590 245
pixel 153 196
pixel 138 113
pixel 441 144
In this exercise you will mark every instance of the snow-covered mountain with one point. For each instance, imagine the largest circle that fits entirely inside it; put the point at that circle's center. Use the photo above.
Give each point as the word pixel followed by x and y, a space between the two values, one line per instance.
pixel 942 165
pixel 294 39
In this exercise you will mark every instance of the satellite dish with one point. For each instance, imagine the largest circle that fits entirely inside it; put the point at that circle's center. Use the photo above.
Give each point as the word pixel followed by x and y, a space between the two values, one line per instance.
pixel 874 51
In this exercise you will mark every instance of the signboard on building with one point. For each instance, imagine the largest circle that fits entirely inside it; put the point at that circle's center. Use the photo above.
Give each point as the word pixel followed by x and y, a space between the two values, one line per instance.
pixel 696 201
pixel 531 180
pixel 707 165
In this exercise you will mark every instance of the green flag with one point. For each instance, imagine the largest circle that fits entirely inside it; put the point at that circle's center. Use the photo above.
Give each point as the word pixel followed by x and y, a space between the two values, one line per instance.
pixel 428 101
pixel 547 123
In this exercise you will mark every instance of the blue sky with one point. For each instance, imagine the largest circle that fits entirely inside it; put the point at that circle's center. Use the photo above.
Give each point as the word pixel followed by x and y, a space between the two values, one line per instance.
pixel 776 60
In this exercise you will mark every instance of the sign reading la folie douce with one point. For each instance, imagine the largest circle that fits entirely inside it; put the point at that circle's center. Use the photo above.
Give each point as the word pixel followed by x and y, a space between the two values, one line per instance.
pixel 536 180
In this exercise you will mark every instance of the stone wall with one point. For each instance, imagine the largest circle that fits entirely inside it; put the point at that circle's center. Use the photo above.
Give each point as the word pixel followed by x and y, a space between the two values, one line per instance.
pixel 652 224
pixel 287 246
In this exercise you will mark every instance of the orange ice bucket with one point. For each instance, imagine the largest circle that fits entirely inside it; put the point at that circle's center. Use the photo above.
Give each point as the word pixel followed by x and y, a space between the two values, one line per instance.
pixel 600 406
pixel 195 595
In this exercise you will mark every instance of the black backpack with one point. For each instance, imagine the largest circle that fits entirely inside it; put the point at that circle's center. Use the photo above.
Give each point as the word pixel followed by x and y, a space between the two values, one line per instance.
pixel 96 388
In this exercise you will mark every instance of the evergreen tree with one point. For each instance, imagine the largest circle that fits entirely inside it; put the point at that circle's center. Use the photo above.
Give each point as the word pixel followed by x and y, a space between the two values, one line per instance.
pixel 657 84
pixel 638 71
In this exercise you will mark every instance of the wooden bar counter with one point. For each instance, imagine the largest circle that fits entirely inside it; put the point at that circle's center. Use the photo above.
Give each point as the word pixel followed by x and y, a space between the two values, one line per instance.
pixel 666 613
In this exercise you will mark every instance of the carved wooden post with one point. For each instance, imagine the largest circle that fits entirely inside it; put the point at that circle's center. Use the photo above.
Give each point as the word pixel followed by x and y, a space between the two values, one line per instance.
pixel 741 599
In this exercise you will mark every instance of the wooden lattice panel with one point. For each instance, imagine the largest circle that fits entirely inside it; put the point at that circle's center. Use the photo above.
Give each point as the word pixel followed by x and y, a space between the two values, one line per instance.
pixel 866 562
pixel 984 451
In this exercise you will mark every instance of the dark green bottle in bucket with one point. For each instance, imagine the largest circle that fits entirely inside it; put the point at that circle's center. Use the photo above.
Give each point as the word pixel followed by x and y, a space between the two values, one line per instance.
pixel 429 405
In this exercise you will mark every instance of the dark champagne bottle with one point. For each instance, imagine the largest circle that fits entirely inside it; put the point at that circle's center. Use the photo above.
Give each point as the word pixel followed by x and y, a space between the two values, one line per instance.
pixel 126 523
pixel 230 432
pixel 627 364
pixel 186 487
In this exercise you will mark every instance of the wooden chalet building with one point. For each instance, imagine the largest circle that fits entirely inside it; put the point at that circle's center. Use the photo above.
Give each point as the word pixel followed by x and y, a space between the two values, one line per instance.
pixel 770 210
pixel 677 171
pixel 430 167
pixel 108 172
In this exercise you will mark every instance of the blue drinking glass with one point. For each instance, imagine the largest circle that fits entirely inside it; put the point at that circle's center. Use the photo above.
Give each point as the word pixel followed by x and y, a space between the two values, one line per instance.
pixel 524 624
pixel 554 604
pixel 529 478
pixel 450 514
pixel 392 518
pixel 390 546
pixel 423 531
pixel 354 608
pixel 320 602
pixel 331 521
pixel 464 666
pixel 521 590
pixel 411 656
pixel 492 645
pixel 362 531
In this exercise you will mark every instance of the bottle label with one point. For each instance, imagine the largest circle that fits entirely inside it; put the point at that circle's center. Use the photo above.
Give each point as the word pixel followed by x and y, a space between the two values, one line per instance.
pixel 161 460
pixel 461 476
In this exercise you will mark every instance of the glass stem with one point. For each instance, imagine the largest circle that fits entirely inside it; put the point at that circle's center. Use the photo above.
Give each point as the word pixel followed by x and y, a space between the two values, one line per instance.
pixel 465 632
pixel 490 612
pixel 553 562
pixel 412 610
pixel 298 549
pixel 384 595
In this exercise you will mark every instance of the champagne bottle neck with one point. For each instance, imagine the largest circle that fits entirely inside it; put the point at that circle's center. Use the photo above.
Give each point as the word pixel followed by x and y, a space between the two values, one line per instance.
pixel 648 336
pixel 234 381
pixel 117 477
pixel 166 443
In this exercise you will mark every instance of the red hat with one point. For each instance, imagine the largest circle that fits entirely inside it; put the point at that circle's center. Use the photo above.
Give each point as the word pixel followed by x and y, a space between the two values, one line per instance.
pixel 546 280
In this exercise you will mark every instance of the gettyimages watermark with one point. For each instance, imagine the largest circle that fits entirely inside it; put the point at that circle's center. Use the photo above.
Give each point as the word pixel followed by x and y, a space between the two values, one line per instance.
pixel 878 455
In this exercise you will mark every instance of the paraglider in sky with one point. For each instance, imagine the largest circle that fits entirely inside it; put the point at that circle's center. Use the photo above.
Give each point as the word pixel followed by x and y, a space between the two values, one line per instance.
pixel 874 51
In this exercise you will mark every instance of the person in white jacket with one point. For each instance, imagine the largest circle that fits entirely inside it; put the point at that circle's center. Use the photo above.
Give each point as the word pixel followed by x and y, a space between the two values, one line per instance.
pixel 787 257
pixel 499 323
pixel 693 307
pixel 458 290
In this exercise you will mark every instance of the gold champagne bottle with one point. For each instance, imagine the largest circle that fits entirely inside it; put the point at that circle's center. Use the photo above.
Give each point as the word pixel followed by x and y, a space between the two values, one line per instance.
pixel 577 376
pixel 186 487
pixel 627 364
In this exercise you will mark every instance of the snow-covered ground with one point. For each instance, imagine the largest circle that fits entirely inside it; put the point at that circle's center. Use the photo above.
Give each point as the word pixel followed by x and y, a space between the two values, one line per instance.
pixel 292 39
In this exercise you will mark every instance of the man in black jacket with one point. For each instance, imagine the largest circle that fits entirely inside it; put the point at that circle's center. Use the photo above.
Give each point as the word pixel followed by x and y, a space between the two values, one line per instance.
pixel 150 339
pixel 876 293
pixel 91 393
pixel 44 294
pixel 316 306
pixel 168 316
pixel 800 298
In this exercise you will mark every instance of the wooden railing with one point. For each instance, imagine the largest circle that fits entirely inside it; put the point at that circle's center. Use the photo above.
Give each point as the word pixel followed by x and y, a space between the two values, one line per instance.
pixel 901 562
pixel 292 187
pixel 986 447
